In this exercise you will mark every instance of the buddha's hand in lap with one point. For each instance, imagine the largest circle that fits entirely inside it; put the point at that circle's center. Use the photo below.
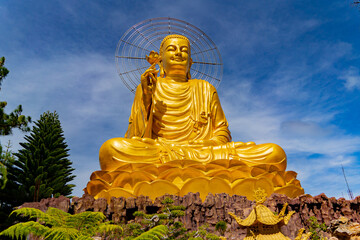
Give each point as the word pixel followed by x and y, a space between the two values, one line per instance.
pixel 145 140
pixel 242 144
pixel 202 143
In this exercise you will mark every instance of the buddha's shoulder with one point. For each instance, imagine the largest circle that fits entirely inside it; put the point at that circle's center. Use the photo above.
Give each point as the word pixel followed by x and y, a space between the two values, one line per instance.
pixel 202 83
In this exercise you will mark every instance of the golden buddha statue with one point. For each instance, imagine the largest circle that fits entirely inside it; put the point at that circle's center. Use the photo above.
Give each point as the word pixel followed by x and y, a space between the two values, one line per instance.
pixel 178 141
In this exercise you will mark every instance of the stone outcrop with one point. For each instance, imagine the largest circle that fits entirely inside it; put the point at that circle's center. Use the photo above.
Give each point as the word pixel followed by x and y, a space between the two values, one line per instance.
pixel 62 203
pixel 215 208
pixel 343 228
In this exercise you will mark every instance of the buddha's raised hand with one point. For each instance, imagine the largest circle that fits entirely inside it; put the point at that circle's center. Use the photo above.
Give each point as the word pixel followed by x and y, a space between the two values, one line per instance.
pixel 148 80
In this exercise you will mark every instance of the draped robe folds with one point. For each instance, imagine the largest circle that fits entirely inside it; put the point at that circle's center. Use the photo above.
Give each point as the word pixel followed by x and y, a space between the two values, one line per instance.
pixel 184 121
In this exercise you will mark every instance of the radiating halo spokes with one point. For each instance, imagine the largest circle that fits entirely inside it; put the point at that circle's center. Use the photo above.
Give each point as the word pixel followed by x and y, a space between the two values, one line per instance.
pixel 140 39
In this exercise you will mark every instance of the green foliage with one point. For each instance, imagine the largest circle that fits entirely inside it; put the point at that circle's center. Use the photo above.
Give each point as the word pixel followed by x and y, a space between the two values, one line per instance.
pixel 139 214
pixel 3 175
pixel 110 230
pixel 22 230
pixel 166 216
pixel 167 202
pixel 3 70
pixel 7 123
pixel 132 230
pixel 156 233
pixel 55 224
pixel 3 172
pixel 6 156
pixel 211 236
pixel 316 228
pixel 42 168
pixel 221 227
pixel 202 234
pixel 60 233
pixel 177 213
pixel 177 231
pixel 169 216
pixel 33 213
pixel 14 119
pixel 180 207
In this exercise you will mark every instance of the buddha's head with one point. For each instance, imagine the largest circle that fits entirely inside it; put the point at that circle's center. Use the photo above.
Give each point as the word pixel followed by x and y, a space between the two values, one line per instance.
pixel 175 56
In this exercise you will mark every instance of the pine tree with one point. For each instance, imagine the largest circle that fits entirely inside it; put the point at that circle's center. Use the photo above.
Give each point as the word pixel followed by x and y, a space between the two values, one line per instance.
pixel 42 168
pixel 7 123
pixel 14 119
pixel 8 194
pixel 3 70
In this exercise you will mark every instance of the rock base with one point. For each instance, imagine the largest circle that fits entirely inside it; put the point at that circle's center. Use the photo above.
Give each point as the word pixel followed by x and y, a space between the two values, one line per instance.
pixel 214 209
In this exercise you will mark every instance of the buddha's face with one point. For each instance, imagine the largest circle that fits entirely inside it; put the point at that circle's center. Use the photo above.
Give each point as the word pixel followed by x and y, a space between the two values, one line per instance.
pixel 176 56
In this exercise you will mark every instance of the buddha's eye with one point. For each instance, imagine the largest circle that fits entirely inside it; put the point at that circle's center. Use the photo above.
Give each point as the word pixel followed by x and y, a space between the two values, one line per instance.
pixel 170 48
pixel 184 49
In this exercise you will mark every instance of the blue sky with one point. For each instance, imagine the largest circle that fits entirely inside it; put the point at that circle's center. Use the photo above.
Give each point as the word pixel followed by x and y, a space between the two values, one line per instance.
pixel 291 75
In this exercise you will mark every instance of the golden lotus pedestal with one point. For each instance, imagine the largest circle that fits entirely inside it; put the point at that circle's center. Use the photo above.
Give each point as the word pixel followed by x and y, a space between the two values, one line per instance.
pixel 183 176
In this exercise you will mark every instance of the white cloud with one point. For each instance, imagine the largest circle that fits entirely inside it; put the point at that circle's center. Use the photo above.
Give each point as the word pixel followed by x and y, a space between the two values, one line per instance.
pixel 91 100
pixel 304 129
pixel 352 78
pixel 324 175
pixel 296 111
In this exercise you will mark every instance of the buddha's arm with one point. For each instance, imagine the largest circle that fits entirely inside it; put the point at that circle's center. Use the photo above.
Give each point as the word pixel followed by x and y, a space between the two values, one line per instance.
pixel 221 133
pixel 140 118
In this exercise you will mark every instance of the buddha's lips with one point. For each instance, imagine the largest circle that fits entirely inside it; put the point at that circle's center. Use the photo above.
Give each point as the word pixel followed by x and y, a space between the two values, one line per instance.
pixel 178 59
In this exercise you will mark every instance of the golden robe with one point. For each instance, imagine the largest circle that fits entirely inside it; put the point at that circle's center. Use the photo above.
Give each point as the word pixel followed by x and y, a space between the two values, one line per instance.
pixel 182 112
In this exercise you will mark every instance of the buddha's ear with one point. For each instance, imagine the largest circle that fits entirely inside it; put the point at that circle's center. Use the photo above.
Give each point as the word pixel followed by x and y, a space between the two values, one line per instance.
pixel 188 75
pixel 162 72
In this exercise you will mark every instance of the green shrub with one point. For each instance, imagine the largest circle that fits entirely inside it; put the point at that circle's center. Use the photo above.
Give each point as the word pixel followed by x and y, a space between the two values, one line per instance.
pixel 57 224
pixel 316 228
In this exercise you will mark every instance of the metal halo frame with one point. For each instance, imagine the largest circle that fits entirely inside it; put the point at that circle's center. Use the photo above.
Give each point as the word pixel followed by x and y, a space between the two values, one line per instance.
pixel 140 39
